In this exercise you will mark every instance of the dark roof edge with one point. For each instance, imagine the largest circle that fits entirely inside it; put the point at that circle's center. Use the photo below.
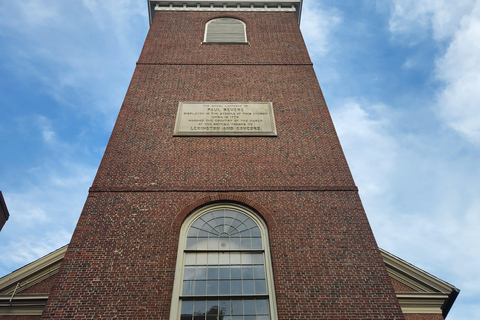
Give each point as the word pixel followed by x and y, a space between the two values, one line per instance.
pixel 420 273
pixel 3 208
pixel 447 305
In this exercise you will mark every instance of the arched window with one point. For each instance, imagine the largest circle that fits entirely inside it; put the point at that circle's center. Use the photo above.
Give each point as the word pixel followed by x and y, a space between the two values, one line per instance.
pixel 223 267
pixel 225 30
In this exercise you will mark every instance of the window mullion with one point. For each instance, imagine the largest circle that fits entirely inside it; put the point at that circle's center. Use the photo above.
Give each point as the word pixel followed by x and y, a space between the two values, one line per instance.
pixel 220 251
pixel 225 260
pixel 224 297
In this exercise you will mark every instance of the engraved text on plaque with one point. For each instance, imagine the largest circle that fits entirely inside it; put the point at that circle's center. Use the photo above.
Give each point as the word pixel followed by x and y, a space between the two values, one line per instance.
pixel 225 119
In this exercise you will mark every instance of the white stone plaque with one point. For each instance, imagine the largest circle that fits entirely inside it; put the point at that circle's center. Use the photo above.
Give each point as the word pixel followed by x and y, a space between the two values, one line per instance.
pixel 225 119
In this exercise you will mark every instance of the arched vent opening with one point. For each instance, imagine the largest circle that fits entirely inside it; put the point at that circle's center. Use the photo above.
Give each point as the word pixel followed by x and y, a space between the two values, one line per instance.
pixel 225 30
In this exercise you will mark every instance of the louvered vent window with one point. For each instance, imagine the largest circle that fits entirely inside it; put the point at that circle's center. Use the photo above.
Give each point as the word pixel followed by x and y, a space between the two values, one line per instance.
pixel 225 30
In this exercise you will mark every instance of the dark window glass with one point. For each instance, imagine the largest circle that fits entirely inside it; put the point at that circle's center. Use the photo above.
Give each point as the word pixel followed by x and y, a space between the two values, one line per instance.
pixel 238 271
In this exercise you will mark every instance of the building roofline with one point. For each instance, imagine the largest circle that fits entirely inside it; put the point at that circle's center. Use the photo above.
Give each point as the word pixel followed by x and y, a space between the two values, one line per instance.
pixel 224 5
pixel 420 280
pixel 430 295
pixel 33 272
pixel 3 211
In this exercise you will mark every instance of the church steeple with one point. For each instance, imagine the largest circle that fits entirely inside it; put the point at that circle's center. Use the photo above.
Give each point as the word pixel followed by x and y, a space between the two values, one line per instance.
pixel 223 192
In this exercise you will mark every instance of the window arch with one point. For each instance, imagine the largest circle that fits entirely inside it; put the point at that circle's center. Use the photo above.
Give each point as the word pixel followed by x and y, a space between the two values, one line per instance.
pixel 225 30
pixel 223 267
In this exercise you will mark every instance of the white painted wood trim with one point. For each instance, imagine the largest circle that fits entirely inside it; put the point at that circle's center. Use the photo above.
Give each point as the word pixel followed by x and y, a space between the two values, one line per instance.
pixel 237 21
pixel 177 283
pixel 226 5
pixel 220 9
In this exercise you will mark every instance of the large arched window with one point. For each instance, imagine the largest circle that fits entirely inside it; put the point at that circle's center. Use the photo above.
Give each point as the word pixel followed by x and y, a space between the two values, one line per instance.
pixel 225 30
pixel 223 267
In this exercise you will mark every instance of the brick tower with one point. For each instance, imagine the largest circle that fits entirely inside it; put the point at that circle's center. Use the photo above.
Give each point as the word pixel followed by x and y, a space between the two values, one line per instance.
pixel 223 192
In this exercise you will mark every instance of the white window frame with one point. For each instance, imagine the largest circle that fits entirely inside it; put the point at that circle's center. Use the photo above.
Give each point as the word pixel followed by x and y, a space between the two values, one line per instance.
pixel 175 309
pixel 226 42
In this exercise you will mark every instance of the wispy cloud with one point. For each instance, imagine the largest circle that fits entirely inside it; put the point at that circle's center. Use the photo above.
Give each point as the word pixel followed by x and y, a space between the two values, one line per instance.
pixel 455 25
pixel 68 59
pixel 417 165
pixel 417 184
pixel 414 20
pixel 47 132
pixel 317 25
pixel 459 69
pixel 419 187
pixel 28 248
pixel 31 14
pixel 45 194
pixel 364 132
pixel 43 211
pixel 78 70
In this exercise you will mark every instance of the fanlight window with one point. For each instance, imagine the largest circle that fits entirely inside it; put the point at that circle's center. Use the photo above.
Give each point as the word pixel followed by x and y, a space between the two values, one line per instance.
pixel 225 266
pixel 225 30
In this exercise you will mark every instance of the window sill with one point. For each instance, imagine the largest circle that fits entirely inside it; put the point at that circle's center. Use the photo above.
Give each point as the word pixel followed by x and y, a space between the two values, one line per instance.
pixel 228 43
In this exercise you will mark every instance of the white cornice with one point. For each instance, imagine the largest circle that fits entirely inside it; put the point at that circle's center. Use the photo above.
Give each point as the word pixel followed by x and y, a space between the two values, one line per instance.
pixel 412 276
pixel 225 5
pixel 25 305
pixel 32 273
pixel 433 294
pixel 422 302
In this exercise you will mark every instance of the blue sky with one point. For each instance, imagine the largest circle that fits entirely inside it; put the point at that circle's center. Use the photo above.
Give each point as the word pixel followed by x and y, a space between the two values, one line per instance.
pixel 401 79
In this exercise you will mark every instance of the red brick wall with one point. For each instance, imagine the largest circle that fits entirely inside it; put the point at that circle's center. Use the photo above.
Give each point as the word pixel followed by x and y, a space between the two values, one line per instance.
pixel 20 317
pixel 143 155
pixel 44 286
pixel 175 37
pixel 121 260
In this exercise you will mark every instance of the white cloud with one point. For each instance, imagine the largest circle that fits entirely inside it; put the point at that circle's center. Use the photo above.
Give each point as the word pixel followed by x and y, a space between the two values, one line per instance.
pixel 364 133
pixel 372 153
pixel 45 127
pixel 442 240
pixel 43 211
pixel 44 200
pixel 420 195
pixel 31 213
pixel 459 102
pixel 420 188
pixel 70 59
pixel 85 64
pixel 409 63
pixel 418 18
pixel 456 24
pixel 29 248
pixel 117 21
pixel 31 14
pixel 317 25
pixel 48 134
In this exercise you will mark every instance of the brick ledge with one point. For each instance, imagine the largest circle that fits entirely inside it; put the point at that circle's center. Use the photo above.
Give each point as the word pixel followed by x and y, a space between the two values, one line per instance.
pixel 222 189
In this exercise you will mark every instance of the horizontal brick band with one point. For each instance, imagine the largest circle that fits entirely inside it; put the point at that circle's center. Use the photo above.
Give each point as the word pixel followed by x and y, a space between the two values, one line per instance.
pixel 224 189
pixel 221 64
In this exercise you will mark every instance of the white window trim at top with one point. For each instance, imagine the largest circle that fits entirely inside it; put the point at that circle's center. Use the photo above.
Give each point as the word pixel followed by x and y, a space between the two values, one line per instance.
pixel 175 310
pixel 207 25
